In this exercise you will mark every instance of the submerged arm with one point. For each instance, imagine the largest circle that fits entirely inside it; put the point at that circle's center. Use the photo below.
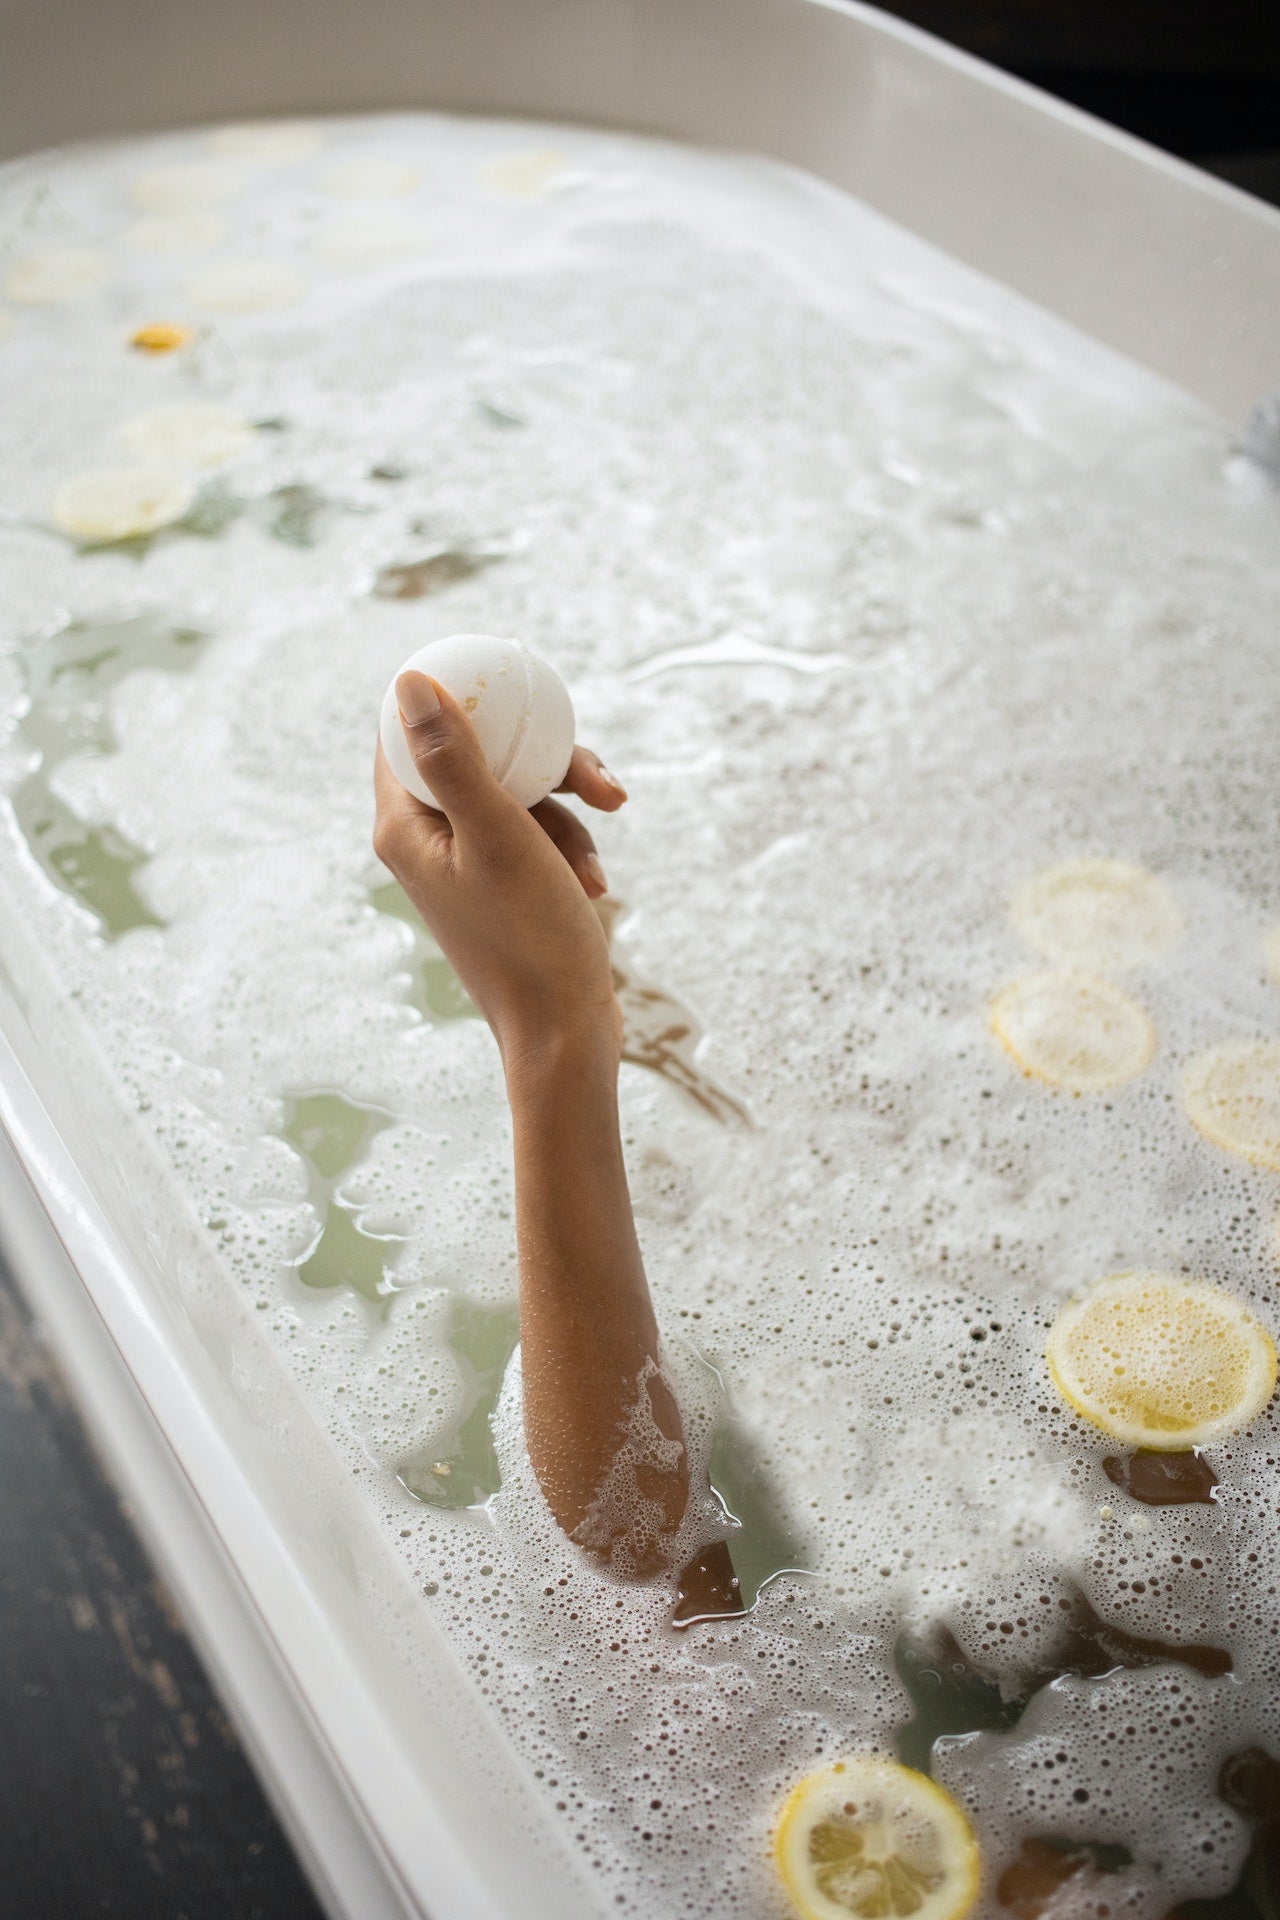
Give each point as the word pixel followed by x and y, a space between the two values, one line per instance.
pixel 507 894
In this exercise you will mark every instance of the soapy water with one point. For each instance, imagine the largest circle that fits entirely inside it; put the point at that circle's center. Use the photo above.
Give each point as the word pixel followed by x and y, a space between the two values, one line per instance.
pixel 885 594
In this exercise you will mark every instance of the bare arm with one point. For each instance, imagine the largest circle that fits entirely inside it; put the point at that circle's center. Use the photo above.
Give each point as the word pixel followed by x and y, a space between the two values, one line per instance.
pixel 589 1340
pixel 505 892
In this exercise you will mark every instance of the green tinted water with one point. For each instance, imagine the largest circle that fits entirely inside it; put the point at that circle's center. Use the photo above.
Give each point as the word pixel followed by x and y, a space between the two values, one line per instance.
pixel 438 993
pixel 460 1467
pixel 68 678
pixel 951 1695
pixel 332 1133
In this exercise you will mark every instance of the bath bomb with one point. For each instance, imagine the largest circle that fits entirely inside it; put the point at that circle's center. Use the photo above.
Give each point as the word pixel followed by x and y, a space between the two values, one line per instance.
pixel 518 705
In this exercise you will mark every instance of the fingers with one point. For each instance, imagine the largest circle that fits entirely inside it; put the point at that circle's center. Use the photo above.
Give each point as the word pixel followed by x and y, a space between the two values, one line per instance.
pixel 592 781
pixel 403 828
pixel 447 754
pixel 575 843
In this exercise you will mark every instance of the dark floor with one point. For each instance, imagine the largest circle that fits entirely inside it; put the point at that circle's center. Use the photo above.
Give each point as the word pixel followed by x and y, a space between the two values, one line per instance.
pixel 123 1790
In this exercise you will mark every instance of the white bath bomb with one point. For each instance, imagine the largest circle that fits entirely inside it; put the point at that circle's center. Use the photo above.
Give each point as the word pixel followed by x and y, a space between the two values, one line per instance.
pixel 518 705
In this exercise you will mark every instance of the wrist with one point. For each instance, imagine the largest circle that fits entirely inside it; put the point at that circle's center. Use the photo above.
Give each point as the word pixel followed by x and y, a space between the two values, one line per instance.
pixel 570 1055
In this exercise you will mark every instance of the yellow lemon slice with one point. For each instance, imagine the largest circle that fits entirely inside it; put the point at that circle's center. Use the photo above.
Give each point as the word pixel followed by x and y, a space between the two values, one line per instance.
pixel 120 503
pixel 1104 915
pixel 1233 1096
pixel 189 230
pixel 274 142
pixel 187 433
pixel 1073 1031
pixel 370 178
pixel 524 176
pixel 868 1837
pixel 374 236
pixel 192 184
pixel 1160 1362
pixel 56 275
pixel 244 285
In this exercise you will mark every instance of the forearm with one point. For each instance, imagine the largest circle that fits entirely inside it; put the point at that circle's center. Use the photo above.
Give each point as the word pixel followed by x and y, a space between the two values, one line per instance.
pixel 589 1340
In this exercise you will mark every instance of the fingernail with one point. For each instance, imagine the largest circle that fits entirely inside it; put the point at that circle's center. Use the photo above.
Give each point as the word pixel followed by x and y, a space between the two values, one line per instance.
pixel 611 780
pixel 595 872
pixel 417 697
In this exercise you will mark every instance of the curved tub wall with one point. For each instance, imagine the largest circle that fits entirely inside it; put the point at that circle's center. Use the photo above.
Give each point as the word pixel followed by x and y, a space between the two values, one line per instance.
pixel 1159 261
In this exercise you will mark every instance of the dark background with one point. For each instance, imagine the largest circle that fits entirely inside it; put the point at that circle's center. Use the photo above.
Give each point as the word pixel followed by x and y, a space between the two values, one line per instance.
pixel 122 1788
pixel 1198 77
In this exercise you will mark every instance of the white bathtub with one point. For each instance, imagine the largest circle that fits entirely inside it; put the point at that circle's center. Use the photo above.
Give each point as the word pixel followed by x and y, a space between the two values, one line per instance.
pixel 395 1789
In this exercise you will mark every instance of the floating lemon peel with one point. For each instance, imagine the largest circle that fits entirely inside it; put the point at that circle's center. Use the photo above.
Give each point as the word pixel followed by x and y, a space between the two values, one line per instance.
pixel 1073 1031
pixel 869 1838
pixel 162 336
pixel 1161 1362
pixel 1100 915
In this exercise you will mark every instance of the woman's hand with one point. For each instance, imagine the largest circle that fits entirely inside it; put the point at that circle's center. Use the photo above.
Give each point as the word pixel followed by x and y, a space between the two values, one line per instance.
pixel 505 891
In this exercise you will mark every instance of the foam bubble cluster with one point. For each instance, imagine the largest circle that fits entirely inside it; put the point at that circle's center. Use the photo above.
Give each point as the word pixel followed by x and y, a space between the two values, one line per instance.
pixel 929 639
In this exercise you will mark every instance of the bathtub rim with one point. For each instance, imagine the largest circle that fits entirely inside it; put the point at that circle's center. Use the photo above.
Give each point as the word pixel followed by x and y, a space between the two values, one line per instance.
pixel 167 1448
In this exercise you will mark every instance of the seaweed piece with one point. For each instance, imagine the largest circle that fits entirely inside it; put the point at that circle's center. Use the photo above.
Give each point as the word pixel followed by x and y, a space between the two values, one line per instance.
pixel 1162 1479
pixel 416 579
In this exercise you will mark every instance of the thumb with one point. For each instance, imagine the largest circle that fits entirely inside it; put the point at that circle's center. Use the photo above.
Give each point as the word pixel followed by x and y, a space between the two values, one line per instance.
pixel 447 754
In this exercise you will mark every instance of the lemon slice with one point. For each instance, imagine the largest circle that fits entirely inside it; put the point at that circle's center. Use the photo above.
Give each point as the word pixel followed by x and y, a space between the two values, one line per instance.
pixel 56 275
pixel 1160 1362
pixel 1105 915
pixel 1073 1031
pixel 189 230
pixel 868 1837
pixel 378 235
pixel 524 176
pixel 370 178
pixel 1233 1096
pixel 244 285
pixel 120 503
pixel 191 184
pixel 274 142
pixel 187 433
